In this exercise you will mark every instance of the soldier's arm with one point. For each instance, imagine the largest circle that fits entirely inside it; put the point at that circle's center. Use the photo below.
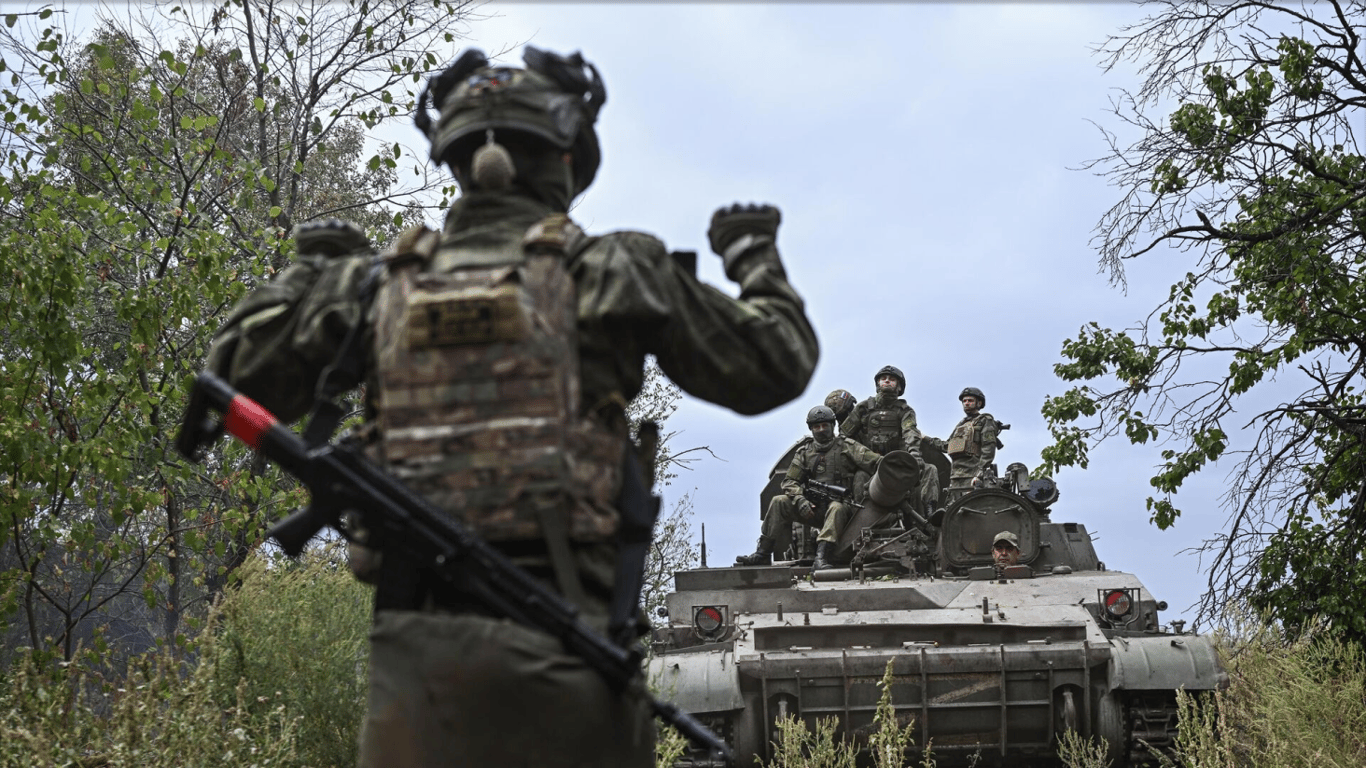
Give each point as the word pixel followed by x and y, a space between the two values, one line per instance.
pixel 751 353
pixel 276 343
pixel 910 432
pixel 796 471
pixel 990 433
pixel 852 425
pixel 863 458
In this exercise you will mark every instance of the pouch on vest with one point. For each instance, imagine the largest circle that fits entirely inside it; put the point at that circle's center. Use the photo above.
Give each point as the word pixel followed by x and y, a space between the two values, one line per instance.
pixel 477 374
pixel 966 441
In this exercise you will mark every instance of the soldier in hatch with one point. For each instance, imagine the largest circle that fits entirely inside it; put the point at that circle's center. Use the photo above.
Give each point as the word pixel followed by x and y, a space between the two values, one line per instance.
pixel 885 423
pixel 515 425
pixel 972 445
pixel 827 459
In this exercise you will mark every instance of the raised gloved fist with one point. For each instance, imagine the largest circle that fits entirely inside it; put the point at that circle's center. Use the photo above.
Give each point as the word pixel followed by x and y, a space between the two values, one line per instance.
pixel 731 223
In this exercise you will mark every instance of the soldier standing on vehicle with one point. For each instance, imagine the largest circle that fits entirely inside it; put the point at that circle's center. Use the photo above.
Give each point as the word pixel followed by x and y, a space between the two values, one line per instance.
pixel 886 423
pixel 826 459
pixel 972 446
pixel 498 357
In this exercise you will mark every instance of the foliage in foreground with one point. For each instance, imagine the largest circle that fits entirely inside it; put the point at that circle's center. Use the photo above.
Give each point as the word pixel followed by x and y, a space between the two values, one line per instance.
pixel 277 679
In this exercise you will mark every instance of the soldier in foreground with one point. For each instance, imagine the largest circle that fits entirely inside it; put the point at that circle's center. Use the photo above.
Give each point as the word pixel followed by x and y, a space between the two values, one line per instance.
pixel 886 423
pixel 827 460
pixel 515 425
pixel 972 445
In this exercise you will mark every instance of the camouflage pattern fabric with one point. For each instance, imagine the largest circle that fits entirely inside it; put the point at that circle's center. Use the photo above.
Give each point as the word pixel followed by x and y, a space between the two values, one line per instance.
pixel 433 674
pixel 884 424
pixel 971 446
pixel 844 462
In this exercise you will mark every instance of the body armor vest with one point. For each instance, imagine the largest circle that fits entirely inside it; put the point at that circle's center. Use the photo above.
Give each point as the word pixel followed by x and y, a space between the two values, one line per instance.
pixel 477 374
pixel 883 431
pixel 966 440
pixel 823 464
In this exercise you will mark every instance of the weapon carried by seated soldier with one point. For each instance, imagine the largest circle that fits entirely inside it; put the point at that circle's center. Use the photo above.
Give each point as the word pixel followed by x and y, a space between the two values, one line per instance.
pixel 831 492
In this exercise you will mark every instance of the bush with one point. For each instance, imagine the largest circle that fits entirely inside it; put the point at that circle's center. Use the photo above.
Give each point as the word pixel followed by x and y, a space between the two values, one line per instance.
pixel 295 634
pixel 277 678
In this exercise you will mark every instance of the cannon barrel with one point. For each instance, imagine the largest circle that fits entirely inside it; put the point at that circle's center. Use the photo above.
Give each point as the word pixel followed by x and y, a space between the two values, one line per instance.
pixel 897 474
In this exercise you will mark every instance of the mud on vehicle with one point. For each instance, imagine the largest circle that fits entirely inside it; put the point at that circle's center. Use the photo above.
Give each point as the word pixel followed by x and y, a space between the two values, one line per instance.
pixel 991 665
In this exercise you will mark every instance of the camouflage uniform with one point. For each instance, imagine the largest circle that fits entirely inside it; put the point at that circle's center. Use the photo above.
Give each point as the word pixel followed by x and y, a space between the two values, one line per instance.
pixel 972 447
pixel 839 463
pixel 449 685
pixel 885 423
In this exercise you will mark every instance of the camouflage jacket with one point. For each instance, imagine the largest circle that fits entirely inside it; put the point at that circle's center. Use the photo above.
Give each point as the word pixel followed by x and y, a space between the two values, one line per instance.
pixel 837 464
pixel 973 442
pixel 883 425
pixel 750 354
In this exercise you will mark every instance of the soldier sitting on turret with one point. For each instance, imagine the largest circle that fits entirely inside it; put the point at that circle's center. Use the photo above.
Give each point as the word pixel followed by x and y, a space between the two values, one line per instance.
pixel 885 423
pixel 828 461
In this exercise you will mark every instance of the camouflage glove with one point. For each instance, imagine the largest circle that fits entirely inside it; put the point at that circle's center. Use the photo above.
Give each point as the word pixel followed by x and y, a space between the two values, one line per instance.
pixel 736 230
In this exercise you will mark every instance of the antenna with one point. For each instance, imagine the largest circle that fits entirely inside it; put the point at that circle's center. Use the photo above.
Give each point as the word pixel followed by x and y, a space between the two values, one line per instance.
pixel 704 545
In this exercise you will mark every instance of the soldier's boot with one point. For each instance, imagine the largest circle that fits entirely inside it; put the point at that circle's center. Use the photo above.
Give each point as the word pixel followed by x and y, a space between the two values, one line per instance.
pixel 822 556
pixel 763 554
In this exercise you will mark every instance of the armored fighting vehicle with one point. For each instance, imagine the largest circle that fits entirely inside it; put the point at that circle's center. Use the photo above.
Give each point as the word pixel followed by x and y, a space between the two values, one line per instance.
pixel 990 664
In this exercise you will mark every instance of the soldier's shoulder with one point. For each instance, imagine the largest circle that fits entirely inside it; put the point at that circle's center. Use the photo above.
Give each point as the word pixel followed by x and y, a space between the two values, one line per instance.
pixel 636 243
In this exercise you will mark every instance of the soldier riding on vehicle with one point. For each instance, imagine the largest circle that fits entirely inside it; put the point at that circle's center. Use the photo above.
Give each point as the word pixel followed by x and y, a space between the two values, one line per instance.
pixel 822 471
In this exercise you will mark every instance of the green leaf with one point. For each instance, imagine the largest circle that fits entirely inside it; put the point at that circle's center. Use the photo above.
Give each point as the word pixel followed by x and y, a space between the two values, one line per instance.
pixel 259 103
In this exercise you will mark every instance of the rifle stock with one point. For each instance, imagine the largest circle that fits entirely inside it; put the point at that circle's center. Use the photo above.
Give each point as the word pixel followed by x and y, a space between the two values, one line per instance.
pixel 340 478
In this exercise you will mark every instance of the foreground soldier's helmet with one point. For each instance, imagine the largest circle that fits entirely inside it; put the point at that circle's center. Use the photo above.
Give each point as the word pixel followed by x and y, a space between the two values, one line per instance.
pixel 895 371
pixel 973 392
pixel 842 402
pixel 556 99
pixel 820 415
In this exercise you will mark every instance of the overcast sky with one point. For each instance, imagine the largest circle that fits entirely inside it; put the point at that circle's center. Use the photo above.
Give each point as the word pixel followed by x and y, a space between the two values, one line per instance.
pixel 924 157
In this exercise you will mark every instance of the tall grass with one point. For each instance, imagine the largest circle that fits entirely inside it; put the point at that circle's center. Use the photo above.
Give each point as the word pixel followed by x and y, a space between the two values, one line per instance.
pixel 1289 704
pixel 275 680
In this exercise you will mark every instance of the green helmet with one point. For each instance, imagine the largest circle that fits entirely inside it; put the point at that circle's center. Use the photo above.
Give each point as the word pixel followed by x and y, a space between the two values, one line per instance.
pixel 555 99
pixel 820 415
pixel 895 371
pixel 973 392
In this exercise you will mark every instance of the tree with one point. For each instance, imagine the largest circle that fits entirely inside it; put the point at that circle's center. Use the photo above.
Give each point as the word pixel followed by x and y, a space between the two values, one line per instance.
pixel 151 177
pixel 671 548
pixel 1257 179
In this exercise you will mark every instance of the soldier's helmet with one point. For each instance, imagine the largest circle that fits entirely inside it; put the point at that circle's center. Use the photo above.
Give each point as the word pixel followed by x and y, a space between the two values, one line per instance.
pixel 973 392
pixel 555 98
pixel 820 415
pixel 842 402
pixel 895 371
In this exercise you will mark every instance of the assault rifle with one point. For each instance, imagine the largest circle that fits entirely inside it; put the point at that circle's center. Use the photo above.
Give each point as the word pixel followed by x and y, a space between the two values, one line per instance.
pixel 340 478
pixel 830 492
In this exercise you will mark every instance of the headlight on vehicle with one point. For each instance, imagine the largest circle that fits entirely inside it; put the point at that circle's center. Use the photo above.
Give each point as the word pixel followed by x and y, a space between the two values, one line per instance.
pixel 709 620
pixel 1118 603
